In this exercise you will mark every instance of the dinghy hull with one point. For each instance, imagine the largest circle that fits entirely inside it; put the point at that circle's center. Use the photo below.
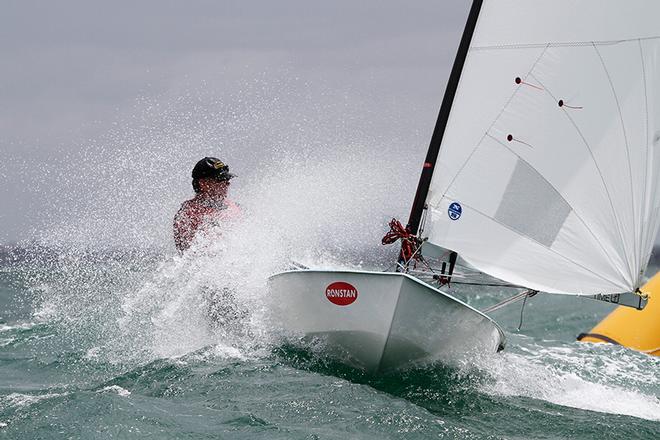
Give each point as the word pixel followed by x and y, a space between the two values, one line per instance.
pixel 379 320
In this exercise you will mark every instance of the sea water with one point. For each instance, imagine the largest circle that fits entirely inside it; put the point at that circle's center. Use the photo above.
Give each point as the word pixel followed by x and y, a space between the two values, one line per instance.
pixel 101 347
pixel 104 329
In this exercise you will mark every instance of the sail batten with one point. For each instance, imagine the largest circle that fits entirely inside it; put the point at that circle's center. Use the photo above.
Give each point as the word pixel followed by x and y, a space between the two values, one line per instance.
pixel 549 160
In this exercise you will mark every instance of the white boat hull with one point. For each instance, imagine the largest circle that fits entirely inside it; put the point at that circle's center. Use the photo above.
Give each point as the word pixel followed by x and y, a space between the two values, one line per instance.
pixel 390 320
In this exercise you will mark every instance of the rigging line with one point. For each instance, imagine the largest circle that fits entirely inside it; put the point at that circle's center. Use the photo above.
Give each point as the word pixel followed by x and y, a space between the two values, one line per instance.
pixel 466 283
pixel 505 302
pixel 468 268
pixel 459 275
pixel 497 118
pixel 426 263
pixel 526 237
pixel 593 158
pixel 625 137
pixel 561 44
pixel 422 221
pixel 454 274
pixel 430 276
pixel 474 274
pixel 510 300
pixel 421 273
pixel 412 257
pixel 529 294
pixel 499 282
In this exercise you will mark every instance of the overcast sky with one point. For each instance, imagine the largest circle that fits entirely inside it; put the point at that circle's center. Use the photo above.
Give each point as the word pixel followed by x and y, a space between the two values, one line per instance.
pixel 80 78
pixel 107 105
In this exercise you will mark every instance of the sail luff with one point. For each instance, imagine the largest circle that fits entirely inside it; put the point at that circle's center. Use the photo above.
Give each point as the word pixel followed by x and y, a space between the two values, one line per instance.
pixel 644 225
pixel 651 185
pixel 443 118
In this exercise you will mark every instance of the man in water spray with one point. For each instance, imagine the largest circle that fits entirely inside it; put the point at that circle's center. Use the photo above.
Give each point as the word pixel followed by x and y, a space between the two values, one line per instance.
pixel 211 179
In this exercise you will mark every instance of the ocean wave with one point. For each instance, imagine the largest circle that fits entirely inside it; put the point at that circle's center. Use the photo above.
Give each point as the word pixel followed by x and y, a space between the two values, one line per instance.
pixel 21 326
pixel 608 379
pixel 123 392
pixel 18 400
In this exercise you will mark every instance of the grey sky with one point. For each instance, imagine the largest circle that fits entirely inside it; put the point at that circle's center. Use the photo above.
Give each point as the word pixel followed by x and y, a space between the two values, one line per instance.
pixel 106 105
pixel 68 64
pixel 77 75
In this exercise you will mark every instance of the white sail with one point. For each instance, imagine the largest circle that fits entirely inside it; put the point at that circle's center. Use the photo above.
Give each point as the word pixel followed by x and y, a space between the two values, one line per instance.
pixel 549 170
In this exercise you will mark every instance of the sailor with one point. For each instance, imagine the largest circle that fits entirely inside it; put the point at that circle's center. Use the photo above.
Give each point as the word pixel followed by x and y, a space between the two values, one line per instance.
pixel 210 180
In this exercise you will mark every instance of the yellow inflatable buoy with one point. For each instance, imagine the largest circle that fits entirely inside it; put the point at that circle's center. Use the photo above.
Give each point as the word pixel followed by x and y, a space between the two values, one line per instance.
pixel 636 329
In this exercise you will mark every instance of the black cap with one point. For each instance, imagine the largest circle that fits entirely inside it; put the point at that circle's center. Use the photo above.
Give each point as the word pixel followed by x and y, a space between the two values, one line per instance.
pixel 211 167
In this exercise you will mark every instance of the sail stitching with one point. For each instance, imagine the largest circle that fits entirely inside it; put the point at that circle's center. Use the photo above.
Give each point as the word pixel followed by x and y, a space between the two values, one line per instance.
pixel 561 44
pixel 650 211
pixel 600 172
pixel 497 118
pixel 539 243
pixel 625 137
pixel 643 234
pixel 487 134
pixel 654 213
pixel 546 46
pixel 577 214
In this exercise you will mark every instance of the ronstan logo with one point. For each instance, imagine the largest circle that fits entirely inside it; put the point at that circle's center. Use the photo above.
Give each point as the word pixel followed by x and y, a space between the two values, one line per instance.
pixel 341 293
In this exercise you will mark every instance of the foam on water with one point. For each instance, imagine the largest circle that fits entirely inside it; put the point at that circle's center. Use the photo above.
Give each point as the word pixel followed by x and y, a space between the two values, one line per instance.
pixel 19 400
pixel 18 326
pixel 602 378
pixel 115 389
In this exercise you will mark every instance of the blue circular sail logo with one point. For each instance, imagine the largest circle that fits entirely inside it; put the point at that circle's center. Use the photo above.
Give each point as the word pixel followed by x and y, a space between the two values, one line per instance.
pixel 455 210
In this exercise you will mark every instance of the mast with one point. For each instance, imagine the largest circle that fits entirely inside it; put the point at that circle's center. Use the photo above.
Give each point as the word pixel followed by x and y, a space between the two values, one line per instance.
pixel 443 117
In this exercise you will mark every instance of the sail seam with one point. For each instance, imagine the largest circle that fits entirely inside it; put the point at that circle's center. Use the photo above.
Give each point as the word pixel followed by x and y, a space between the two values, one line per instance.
pixel 643 233
pixel 577 214
pixel 561 44
pixel 521 234
pixel 486 133
pixel 655 213
pixel 600 172
pixel 630 173
pixel 649 210
pixel 602 178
